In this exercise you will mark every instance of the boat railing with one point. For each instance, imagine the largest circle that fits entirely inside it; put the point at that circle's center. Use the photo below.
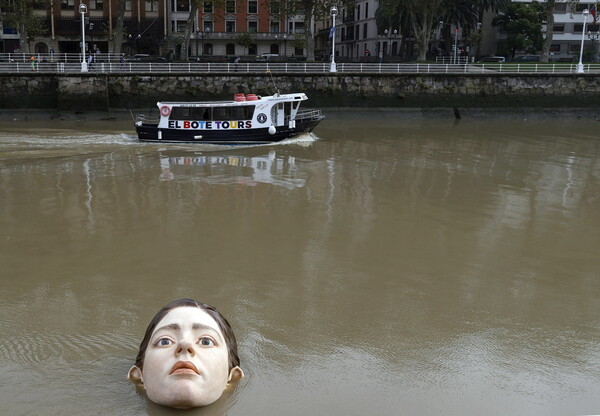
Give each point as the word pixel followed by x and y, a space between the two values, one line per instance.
pixel 308 115
pixel 146 119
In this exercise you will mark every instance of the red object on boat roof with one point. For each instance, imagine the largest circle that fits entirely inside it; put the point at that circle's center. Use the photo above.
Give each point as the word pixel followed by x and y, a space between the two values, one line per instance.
pixel 239 97
pixel 251 97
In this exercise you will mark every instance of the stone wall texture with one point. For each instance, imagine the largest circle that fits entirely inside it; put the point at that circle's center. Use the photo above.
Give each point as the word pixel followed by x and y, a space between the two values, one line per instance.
pixel 104 92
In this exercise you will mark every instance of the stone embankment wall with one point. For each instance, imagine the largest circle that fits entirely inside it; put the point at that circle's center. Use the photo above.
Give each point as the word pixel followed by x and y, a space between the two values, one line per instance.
pixel 104 92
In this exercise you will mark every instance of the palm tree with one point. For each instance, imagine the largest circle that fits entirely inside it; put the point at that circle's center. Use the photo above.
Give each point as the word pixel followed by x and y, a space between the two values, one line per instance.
pixel 417 17
pixel 460 13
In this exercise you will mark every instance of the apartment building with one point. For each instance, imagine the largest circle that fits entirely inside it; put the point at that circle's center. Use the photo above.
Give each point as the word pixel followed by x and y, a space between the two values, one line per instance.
pixel 568 30
pixel 157 27
pixel 356 33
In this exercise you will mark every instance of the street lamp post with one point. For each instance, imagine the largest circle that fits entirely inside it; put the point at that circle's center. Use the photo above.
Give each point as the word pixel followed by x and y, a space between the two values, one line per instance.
pixel 204 34
pixel 455 44
pixel 580 64
pixel 334 12
pixel 284 44
pixel 389 34
pixel 83 11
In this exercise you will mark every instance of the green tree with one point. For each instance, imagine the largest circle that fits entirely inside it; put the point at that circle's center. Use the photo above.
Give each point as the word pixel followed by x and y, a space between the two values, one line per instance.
pixel 522 23
pixel 244 39
pixel 417 17
pixel 549 21
pixel 312 10
pixel 19 14
pixel 422 17
pixel 119 30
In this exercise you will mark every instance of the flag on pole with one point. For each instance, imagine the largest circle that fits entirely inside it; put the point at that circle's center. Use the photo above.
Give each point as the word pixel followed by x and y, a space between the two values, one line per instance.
pixel 593 11
pixel 331 32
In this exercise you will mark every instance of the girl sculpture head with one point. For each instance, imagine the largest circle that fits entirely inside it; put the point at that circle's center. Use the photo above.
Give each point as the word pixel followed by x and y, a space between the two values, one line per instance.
pixel 188 356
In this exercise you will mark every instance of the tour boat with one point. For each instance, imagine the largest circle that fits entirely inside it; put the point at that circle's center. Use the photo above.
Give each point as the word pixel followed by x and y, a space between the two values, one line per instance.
pixel 247 119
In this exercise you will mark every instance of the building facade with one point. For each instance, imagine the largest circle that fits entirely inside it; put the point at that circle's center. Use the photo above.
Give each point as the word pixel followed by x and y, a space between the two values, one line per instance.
pixel 568 30
pixel 157 27
pixel 357 36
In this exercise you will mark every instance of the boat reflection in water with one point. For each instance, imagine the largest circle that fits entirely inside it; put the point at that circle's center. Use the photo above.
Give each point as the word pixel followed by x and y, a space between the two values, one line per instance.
pixel 273 167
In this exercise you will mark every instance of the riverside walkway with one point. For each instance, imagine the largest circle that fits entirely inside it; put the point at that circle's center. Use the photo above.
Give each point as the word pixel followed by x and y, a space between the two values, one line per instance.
pixel 110 64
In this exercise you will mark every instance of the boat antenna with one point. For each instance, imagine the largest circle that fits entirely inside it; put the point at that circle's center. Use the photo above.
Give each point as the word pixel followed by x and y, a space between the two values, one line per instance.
pixel 273 81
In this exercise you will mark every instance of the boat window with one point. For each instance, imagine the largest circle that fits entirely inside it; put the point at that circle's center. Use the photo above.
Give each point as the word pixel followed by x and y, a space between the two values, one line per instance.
pixel 233 113
pixel 201 113
pixel 180 113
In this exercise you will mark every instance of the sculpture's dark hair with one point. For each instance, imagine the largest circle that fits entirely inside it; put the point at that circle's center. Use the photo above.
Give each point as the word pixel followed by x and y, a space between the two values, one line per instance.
pixel 224 326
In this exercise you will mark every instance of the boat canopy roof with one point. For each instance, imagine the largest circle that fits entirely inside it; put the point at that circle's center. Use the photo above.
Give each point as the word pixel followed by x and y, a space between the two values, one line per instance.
pixel 239 99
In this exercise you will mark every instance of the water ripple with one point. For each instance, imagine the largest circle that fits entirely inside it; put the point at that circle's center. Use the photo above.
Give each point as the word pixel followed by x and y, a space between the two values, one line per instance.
pixel 33 347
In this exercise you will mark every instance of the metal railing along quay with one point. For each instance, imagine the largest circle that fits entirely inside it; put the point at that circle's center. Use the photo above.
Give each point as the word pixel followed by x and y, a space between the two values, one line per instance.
pixel 107 64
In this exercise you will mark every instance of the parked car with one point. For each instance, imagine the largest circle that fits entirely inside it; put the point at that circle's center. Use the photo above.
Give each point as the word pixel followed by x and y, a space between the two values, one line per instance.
pixel 267 57
pixel 143 57
pixel 500 59
pixel 527 58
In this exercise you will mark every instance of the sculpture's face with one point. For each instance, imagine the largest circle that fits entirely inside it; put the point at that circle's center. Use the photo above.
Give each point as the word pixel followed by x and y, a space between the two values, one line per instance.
pixel 186 363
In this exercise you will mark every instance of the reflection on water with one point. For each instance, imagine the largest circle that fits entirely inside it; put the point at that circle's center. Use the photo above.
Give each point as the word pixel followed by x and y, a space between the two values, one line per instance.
pixel 391 266
pixel 231 169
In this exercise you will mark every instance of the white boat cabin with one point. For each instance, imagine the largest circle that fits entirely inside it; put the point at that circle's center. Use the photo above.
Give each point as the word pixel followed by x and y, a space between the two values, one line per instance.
pixel 246 111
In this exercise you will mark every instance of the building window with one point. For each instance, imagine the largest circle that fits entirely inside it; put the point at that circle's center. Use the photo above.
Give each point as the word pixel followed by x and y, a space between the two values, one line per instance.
pixel 299 27
pixel 357 32
pixel 574 47
pixel 253 26
pixel 230 49
pixel 578 28
pixel 208 49
pixel 208 7
pixel 298 51
pixel 182 5
pixel 274 27
pixel 558 28
pixel 179 26
pixel 367 10
pixel 128 5
pixel 274 7
pixel 555 47
pixel 230 6
pixel 253 49
pixel 230 26
pixel 252 6
pixel 208 26
pixel 358 12
pixel 365 32
pixel 274 48
pixel 560 8
pixel 151 5
pixel 96 4
pixel 67 4
pixel 39 5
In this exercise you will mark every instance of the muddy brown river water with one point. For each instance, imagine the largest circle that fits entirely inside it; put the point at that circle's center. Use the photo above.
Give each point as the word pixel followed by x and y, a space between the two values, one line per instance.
pixel 385 265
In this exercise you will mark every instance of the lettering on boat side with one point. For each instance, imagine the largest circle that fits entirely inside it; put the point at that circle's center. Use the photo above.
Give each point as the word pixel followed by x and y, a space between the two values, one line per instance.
pixel 210 125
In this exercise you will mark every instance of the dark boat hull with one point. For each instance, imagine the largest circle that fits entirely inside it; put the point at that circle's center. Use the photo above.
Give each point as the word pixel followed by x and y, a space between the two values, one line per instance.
pixel 149 133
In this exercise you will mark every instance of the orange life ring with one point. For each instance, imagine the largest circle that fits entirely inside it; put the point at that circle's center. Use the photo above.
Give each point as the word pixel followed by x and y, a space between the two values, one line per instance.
pixel 165 110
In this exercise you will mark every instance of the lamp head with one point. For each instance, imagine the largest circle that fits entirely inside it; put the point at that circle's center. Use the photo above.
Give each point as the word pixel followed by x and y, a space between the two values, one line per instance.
pixel 334 10
pixel 82 8
pixel 585 12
